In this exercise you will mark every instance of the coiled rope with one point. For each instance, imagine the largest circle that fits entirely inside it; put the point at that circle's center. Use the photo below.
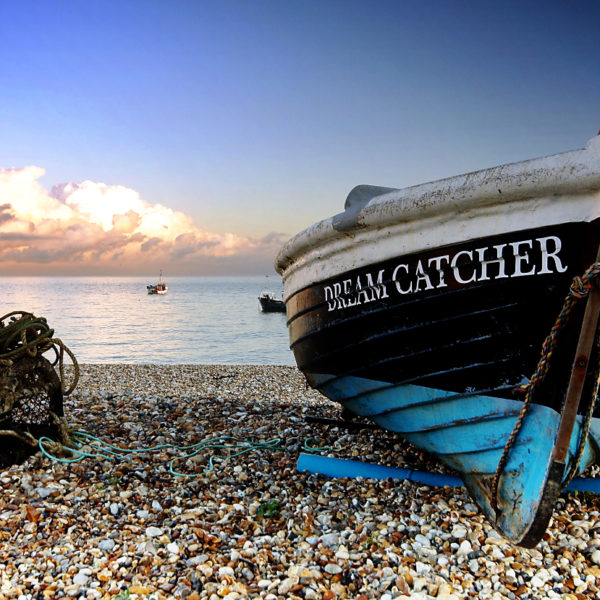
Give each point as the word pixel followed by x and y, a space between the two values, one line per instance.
pixel 579 289
pixel 23 334
pixel 84 445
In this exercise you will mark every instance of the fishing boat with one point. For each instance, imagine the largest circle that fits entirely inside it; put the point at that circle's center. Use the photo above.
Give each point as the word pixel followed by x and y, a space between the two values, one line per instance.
pixel 462 314
pixel 159 288
pixel 270 303
pixel 268 300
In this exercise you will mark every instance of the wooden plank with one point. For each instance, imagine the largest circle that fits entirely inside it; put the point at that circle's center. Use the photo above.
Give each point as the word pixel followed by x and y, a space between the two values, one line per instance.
pixel 578 373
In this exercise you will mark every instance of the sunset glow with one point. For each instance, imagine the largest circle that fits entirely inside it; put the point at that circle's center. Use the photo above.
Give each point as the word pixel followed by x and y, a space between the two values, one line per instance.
pixel 92 227
pixel 198 137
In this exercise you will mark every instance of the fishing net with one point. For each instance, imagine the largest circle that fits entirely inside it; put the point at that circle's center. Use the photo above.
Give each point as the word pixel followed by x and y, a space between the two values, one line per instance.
pixel 31 389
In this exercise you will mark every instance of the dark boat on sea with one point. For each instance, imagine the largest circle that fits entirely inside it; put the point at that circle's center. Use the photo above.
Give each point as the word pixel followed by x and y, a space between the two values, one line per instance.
pixel 462 314
pixel 270 303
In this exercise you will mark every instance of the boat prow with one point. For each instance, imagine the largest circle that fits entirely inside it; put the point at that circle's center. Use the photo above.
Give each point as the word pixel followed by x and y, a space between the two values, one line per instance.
pixel 453 312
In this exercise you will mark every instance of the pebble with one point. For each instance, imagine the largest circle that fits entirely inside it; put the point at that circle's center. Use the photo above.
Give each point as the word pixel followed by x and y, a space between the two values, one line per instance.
pixel 80 579
pixel 331 540
pixel 107 545
pixel 333 569
pixel 464 548
pixel 153 532
pixel 254 527
pixel 173 548
pixel 459 532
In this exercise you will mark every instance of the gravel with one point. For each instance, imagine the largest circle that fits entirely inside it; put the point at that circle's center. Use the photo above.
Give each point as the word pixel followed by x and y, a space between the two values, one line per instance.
pixel 254 527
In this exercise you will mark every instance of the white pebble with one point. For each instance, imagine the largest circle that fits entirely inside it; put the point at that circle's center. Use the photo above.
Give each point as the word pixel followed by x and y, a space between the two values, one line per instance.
pixel 459 531
pixel 226 572
pixel 333 569
pixel 330 539
pixel 464 548
pixel 107 545
pixel 153 531
pixel 80 579
pixel 285 586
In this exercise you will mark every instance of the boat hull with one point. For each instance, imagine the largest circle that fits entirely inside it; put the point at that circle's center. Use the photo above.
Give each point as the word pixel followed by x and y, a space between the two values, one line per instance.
pixel 468 432
pixel 268 304
pixel 435 346
pixel 426 309
pixel 481 328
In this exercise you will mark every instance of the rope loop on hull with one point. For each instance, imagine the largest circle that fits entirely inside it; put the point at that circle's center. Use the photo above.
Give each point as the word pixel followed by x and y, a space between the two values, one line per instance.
pixel 579 289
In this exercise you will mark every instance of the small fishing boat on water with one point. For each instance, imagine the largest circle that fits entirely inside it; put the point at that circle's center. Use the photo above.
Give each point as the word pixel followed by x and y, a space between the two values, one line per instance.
pixel 159 288
pixel 462 314
pixel 270 303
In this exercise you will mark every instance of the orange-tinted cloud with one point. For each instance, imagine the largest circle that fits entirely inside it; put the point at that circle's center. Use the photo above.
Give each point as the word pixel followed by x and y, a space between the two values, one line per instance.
pixel 94 228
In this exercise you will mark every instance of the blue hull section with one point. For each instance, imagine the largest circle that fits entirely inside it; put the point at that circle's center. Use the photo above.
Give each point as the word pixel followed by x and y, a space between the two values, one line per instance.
pixel 468 432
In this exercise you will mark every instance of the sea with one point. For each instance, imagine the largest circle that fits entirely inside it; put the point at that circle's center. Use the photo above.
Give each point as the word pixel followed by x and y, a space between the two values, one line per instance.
pixel 201 320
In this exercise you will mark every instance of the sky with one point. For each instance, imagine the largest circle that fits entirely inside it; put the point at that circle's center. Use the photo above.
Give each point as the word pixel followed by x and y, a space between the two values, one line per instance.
pixel 197 136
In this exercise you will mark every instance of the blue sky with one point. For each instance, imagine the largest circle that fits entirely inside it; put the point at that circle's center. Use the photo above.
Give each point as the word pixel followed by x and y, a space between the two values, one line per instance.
pixel 259 117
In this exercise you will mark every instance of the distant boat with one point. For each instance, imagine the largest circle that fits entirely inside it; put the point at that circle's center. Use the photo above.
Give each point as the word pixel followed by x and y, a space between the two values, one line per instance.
pixel 159 288
pixel 270 303
pixel 427 308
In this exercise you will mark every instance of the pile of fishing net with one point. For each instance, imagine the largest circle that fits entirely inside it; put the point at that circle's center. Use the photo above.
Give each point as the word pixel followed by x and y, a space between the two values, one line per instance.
pixel 31 390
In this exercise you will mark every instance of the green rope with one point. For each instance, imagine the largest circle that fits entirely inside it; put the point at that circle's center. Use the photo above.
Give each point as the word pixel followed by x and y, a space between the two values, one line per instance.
pixel 314 449
pixel 103 450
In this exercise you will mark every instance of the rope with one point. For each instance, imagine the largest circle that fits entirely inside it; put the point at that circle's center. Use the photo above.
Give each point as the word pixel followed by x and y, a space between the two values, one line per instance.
pixel 98 448
pixel 23 334
pixel 580 288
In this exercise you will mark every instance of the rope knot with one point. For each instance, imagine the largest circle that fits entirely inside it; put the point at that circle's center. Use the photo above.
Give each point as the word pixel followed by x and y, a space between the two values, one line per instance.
pixel 579 287
pixel 592 273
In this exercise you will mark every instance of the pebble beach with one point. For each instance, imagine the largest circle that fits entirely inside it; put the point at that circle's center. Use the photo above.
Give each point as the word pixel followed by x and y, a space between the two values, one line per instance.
pixel 237 521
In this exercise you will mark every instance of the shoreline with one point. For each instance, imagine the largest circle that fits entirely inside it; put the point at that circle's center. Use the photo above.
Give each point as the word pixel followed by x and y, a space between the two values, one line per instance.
pixel 254 527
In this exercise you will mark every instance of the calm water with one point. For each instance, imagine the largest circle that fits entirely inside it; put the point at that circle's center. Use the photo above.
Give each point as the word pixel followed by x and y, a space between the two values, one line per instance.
pixel 202 320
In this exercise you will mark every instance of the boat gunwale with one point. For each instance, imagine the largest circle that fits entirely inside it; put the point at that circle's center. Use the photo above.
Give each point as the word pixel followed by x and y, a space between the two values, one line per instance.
pixel 573 175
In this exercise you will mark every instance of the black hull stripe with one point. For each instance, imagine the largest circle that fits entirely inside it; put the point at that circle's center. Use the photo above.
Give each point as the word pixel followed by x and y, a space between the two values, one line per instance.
pixel 403 329
pixel 412 355
pixel 401 303
pixel 418 377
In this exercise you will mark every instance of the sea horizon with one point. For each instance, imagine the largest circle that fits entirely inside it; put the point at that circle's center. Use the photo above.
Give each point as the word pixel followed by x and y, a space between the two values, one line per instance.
pixel 203 319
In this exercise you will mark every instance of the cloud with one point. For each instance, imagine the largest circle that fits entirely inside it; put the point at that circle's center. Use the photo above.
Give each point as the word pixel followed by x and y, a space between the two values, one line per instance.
pixel 150 244
pixel 5 215
pixel 126 223
pixel 275 238
pixel 92 227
